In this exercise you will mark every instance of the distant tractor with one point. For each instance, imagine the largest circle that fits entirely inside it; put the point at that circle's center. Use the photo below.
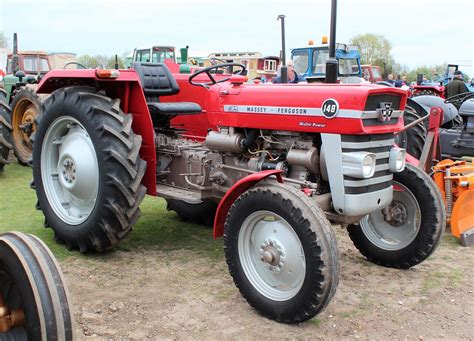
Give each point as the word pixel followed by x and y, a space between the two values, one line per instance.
pixel 435 87
pixel 310 62
pixel 371 73
pixel 24 71
pixel 21 104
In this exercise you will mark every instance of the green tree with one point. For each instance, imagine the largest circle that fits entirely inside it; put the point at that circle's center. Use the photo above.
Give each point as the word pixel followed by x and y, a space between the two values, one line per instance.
pixel 111 62
pixel 375 49
pixel 3 40
pixel 92 62
pixel 435 72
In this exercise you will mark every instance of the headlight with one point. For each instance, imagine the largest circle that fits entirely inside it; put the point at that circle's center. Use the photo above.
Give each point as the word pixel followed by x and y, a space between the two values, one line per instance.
pixel 358 164
pixel 396 161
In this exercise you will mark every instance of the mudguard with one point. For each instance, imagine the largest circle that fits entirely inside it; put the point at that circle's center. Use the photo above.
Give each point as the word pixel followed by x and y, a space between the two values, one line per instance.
pixel 423 104
pixel 234 192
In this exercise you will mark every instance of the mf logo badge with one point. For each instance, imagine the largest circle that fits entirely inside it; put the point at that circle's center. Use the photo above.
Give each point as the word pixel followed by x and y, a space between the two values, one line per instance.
pixel 385 111
pixel 330 108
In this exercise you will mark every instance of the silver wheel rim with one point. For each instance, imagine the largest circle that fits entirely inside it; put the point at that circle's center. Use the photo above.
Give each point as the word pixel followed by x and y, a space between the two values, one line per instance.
pixel 387 236
pixel 271 255
pixel 69 170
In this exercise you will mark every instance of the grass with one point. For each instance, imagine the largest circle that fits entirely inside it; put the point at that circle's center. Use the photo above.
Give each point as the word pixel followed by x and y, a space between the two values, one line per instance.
pixel 439 279
pixel 156 229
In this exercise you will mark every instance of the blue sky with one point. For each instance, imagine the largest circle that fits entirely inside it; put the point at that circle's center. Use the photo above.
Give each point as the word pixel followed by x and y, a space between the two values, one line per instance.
pixel 422 31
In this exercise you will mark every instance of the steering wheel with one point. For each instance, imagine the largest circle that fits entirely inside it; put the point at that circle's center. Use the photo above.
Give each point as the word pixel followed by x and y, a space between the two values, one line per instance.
pixel 213 81
pixel 75 63
pixel 459 98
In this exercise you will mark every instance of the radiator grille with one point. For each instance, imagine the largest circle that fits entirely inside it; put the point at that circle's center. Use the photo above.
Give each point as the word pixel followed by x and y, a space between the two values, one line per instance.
pixel 378 144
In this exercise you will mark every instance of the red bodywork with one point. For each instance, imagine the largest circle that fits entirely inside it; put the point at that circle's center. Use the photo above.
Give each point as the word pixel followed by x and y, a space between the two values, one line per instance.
pixel 352 99
pixel 438 90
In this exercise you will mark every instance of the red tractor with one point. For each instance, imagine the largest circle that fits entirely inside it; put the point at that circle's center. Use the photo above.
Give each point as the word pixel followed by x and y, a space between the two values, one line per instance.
pixel 271 165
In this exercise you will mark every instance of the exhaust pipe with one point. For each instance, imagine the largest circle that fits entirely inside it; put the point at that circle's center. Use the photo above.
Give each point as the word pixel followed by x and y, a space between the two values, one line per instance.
pixel 332 63
pixel 15 58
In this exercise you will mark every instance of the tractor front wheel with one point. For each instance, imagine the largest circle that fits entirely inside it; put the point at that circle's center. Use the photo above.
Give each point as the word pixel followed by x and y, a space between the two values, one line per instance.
pixel 281 252
pixel 87 169
pixel 407 231
pixel 5 131
pixel 34 302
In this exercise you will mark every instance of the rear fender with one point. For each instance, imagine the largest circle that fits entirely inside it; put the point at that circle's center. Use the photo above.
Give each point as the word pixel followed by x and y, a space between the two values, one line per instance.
pixel 424 104
pixel 127 88
pixel 234 192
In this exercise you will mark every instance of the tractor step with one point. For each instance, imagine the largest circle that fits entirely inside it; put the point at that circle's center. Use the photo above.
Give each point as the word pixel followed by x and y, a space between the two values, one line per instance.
pixel 171 192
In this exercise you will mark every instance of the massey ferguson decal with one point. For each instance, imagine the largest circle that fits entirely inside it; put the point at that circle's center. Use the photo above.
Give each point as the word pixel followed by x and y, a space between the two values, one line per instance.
pixel 329 109
pixel 385 111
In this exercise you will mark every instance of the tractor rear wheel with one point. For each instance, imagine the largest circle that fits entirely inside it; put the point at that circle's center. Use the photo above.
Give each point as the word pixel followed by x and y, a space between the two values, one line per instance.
pixel 32 291
pixel 413 139
pixel 199 213
pixel 87 169
pixel 282 253
pixel 407 231
pixel 26 105
pixel 5 131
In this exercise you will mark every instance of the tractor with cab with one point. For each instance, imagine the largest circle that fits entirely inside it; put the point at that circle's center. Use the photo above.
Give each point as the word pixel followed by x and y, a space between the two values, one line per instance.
pixel 310 62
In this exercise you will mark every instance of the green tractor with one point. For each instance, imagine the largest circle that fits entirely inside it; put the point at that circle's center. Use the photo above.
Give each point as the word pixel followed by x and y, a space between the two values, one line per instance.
pixel 19 102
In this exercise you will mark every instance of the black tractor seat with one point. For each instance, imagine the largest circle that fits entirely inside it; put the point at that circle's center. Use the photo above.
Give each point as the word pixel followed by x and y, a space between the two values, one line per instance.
pixel 157 81
pixel 174 108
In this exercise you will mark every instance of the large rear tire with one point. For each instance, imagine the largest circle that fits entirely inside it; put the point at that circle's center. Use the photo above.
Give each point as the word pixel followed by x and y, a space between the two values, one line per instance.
pixel 33 289
pixel 411 228
pixel 413 139
pixel 282 253
pixel 5 131
pixel 201 213
pixel 87 169
pixel 26 105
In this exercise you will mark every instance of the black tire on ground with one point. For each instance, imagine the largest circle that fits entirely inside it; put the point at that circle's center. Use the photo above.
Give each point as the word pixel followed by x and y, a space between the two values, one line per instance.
pixel 26 105
pixel 110 207
pixel 413 139
pixel 381 249
pixel 425 93
pixel 31 281
pixel 202 213
pixel 290 218
pixel 5 131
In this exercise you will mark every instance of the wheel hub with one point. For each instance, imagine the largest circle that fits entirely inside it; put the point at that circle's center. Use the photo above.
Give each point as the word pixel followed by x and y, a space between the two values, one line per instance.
pixel 69 170
pixel 396 214
pixel 10 319
pixel 272 254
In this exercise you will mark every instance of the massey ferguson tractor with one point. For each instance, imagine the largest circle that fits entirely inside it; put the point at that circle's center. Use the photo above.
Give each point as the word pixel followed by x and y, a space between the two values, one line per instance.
pixel 279 164
pixel 34 302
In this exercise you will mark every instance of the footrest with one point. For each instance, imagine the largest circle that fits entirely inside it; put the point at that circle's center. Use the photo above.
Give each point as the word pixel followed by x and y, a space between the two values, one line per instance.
pixel 175 108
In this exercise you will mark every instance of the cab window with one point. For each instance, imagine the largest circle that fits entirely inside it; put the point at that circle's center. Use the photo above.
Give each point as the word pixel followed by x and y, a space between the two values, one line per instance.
pixel 143 56
pixel 300 61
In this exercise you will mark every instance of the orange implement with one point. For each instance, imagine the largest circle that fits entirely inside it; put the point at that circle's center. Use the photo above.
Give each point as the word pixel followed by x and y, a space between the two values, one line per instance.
pixel 455 179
